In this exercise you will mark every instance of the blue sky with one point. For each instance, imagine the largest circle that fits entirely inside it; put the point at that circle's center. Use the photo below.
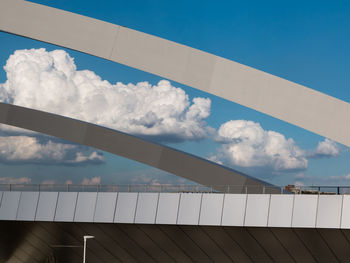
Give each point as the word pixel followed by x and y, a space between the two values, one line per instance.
pixel 306 42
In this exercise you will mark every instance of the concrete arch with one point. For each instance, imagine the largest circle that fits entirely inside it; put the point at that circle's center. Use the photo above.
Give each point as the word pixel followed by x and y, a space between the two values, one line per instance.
pixel 164 158
pixel 277 97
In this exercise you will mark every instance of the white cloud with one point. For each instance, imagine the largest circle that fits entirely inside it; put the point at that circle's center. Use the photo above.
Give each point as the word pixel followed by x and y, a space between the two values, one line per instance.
pixel 325 149
pixel 247 144
pixel 340 177
pixel 299 183
pixel 12 180
pixel 48 182
pixel 300 175
pixel 91 181
pixel 49 81
pixel 29 150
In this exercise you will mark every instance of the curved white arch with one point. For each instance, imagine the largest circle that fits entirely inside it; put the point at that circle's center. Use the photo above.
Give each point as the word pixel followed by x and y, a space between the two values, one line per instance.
pixel 277 97
pixel 164 158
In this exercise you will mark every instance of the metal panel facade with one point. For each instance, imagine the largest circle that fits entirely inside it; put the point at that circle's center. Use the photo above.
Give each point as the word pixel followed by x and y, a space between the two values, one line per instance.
pixel 257 210
pixel 146 208
pixel 234 209
pixel 211 209
pixel 66 206
pixel 126 207
pixel 329 211
pixel 46 206
pixel 9 205
pixel 105 207
pixel 304 211
pixel 84 211
pixel 252 210
pixel 345 217
pixel 168 206
pixel 189 209
pixel 27 206
pixel 281 210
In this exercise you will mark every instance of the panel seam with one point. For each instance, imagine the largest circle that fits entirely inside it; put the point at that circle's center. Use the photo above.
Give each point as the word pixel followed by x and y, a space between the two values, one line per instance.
pixel 200 209
pixel 155 218
pixel 114 42
pixel 222 209
pixel 137 202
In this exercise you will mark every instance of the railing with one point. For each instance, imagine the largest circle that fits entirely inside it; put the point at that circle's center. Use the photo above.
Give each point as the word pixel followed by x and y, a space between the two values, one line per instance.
pixel 169 188
pixel 140 188
pixel 332 190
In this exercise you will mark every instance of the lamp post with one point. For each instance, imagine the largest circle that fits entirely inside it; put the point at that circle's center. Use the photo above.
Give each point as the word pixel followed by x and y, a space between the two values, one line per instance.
pixel 85 238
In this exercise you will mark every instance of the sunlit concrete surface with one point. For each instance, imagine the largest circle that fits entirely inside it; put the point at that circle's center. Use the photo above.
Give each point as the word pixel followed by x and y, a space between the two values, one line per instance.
pixel 285 100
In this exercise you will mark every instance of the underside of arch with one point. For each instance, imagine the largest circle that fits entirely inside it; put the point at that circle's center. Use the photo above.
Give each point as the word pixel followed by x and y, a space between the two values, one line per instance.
pixel 164 158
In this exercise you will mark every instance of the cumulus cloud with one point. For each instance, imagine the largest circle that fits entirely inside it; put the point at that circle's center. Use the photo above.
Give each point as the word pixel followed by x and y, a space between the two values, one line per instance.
pixel 340 177
pixel 247 144
pixel 12 180
pixel 91 181
pixel 26 149
pixel 299 183
pixel 325 149
pixel 50 81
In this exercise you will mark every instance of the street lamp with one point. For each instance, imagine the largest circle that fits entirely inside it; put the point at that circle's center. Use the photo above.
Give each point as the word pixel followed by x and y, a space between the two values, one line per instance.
pixel 85 238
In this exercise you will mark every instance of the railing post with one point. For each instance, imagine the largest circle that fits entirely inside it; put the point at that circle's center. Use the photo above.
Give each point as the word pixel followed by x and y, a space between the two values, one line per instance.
pixel 228 189
pixel 10 187
pixel 246 189
pixel 264 189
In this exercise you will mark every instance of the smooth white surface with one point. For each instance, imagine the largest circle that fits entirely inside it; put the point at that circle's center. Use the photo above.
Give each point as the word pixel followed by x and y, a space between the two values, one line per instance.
pixel 129 51
pixel 329 211
pixel 345 219
pixel 211 209
pixel 105 207
pixel 234 209
pixel 146 208
pixel 189 209
pixel 323 211
pixel 281 210
pixel 27 206
pixel 199 70
pixel 257 210
pixel 9 205
pixel 66 206
pixel 84 212
pixel 126 206
pixel 304 212
pixel 46 206
pixel 167 208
